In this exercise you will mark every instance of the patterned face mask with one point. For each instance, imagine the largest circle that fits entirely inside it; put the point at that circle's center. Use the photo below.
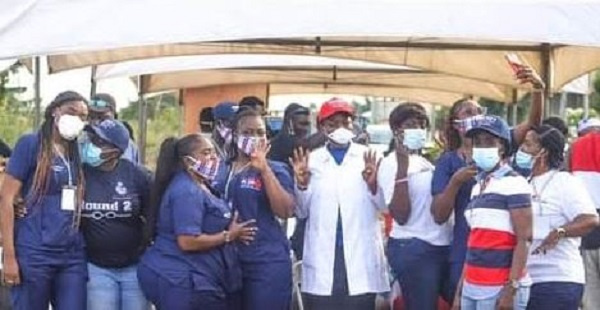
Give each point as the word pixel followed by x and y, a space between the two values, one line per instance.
pixel 206 169
pixel 247 144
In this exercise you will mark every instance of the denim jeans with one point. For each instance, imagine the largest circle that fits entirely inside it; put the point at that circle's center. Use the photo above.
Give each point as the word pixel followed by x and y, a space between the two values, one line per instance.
pixel 115 289
pixel 555 295
pixel 421 269
pixel 520 301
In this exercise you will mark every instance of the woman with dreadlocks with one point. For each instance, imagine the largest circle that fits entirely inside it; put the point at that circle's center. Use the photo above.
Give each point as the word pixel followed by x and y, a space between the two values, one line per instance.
pixel 44 258
pixel 454 175
pixel 563 212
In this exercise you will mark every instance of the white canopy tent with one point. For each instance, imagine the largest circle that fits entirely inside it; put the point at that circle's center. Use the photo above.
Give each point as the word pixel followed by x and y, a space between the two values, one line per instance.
pixel 320 73
pixel 560 40
pixel 467 39
pixel 51 27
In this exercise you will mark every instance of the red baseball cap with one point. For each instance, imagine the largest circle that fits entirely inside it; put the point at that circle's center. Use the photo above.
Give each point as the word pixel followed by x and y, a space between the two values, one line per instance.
pixel 334 106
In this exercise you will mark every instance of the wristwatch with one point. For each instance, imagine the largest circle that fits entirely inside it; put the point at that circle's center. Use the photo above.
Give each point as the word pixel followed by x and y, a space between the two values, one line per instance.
pixel 562 232
pixel 227 236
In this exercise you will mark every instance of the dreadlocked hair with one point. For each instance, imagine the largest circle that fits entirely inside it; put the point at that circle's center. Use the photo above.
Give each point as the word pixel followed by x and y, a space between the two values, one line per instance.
pixel 242 114
pixel 45 155
pixel 553 141
pixel 451 135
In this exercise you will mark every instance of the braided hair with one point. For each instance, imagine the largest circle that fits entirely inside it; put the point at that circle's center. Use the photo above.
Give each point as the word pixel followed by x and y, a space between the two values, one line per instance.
pixel 45 155
pixel 553 141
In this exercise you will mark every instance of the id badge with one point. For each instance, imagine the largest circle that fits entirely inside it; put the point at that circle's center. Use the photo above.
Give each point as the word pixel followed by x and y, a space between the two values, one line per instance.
pixel 68 198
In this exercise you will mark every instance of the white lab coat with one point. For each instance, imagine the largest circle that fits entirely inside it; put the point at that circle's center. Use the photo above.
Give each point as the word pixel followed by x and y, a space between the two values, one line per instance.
pixel 334 186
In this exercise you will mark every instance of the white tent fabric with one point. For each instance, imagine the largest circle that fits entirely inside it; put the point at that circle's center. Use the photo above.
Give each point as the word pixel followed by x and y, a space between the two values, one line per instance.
pixel 208 62
pixel 48 27
pixel 168 73
pixel 401 94
pixel 483 60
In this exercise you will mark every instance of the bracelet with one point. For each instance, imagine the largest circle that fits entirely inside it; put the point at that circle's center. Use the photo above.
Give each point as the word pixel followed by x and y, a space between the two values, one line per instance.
pixel 227 236
pixel 403 180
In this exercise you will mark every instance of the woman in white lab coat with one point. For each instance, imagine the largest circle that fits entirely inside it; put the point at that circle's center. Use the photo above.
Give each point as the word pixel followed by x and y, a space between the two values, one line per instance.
pixel 344 265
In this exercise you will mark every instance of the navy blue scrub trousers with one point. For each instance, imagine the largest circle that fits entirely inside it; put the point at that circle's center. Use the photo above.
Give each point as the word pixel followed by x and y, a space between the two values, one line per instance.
pixel 166 296
pixel 421 269
pixel 58 277
pixel 267 285
pixel 555 296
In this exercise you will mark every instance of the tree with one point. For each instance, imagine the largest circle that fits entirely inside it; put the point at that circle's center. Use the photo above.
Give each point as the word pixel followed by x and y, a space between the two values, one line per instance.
pixel 16 117
pixel 163 121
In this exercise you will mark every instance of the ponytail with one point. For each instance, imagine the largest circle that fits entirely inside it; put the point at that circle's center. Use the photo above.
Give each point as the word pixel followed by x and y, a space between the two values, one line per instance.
pixel 169 162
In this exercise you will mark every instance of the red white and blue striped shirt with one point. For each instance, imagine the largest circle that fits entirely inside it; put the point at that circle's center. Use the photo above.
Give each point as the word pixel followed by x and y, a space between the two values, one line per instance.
pixel 492 240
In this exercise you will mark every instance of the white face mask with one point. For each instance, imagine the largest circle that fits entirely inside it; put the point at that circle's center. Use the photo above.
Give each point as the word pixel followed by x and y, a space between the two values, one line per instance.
pixel 341 136
pixel 69 126
pixel 486 158
pixel 414 139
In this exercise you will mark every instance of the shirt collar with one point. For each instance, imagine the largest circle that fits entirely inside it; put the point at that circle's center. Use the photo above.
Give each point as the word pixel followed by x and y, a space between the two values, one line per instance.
pixel 503 170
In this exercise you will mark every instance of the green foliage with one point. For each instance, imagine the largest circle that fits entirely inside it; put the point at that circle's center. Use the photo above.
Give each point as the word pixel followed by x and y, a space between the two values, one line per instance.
pixel 16 117
pixel 163 121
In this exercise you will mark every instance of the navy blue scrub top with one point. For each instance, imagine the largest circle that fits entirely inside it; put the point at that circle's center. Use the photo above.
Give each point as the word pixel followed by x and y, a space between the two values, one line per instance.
pixel 448 164
pixel 186 209
pixel 45 227
pixel 247 195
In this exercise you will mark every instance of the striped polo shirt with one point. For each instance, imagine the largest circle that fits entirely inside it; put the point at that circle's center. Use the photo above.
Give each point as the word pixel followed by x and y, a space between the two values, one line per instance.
pixel 492 239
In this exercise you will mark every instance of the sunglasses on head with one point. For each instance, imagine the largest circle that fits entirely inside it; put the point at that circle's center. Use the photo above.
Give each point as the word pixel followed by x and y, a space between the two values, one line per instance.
pixel 99 103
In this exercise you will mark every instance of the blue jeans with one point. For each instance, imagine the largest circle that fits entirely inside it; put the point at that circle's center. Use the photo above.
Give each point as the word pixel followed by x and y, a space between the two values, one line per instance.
pixel 115 289
pixel 520 301
pixel 555 295
pixel 421 269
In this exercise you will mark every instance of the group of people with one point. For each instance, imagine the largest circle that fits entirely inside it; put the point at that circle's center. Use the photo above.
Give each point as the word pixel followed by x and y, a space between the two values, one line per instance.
pixel 495 223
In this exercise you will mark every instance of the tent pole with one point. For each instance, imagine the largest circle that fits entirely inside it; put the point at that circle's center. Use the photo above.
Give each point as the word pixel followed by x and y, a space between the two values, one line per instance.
pixel 268 96
pixel 586 98
pixel 93 83
pixel 180 110
pixel 142 119
pixel 37 92
pixel 515 108
pixel 547 76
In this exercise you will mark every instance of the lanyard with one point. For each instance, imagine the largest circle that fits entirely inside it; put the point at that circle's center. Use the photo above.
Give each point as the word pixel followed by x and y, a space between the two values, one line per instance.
pixel 230 177
pixel 66 162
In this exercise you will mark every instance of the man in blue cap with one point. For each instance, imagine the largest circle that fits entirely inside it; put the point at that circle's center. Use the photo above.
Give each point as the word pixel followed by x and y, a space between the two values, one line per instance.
pixel 104 107
pixel 223 115
pixel 500 220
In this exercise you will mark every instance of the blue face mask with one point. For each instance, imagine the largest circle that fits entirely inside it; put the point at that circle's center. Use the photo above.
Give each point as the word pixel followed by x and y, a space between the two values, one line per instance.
pixel 524 160
pixel 90 154
pixel 486 158
pixel 414 139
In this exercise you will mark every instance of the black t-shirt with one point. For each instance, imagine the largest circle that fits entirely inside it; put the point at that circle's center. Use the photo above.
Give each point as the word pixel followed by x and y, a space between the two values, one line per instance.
pixel 116 203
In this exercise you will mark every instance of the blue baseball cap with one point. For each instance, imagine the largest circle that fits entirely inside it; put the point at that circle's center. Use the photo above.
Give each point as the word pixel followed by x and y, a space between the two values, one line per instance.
pixel 225 110
pixel 491 124
pixel 111 131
